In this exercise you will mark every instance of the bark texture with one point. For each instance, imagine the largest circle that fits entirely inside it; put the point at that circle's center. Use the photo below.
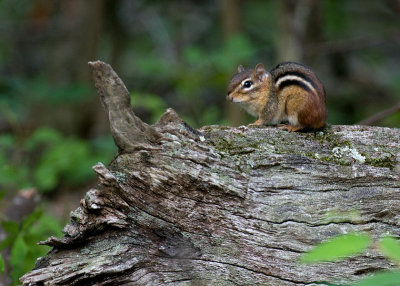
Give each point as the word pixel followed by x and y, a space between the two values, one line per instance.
pixel 224 206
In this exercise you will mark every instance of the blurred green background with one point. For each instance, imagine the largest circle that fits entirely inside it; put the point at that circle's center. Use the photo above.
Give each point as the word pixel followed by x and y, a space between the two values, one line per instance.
pixel 178 54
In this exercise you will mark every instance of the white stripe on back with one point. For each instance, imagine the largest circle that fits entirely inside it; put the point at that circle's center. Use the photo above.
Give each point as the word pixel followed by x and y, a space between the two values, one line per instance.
pixel 297 78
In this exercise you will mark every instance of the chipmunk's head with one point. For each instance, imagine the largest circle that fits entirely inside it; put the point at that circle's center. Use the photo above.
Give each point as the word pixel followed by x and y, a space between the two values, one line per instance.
pixel 250 88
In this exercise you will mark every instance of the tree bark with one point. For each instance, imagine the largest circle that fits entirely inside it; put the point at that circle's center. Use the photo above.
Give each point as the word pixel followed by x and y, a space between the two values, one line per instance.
pixel 222 205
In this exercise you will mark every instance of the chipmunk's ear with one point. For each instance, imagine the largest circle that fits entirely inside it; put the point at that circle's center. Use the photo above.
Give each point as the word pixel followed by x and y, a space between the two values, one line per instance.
pixel 240 68
pixel 259 72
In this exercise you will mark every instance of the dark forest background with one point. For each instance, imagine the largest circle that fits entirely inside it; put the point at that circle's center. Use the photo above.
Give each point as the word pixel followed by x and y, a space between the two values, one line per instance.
pixel 178 54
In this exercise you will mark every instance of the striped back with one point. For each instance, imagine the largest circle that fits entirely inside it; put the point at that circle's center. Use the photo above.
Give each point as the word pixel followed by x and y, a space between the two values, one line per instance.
pixel 291 73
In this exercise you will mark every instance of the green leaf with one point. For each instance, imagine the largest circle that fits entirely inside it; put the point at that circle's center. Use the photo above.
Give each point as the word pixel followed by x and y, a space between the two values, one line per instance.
pixel 56 165
pixel 31 219
pixel 46 226
pixel 46 177
pixel 387 278
pixel 337 248
pixel 390 247
pixel 7 141
pixel 42 135
pixel 12 175
pixel 10 226
pixel 24 248
pixel 8 241
pixel 1 265
pixel 19 251
pixel 154 104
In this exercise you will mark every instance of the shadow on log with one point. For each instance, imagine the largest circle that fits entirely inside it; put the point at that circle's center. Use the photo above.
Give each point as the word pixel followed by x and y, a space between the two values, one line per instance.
pixel 224 206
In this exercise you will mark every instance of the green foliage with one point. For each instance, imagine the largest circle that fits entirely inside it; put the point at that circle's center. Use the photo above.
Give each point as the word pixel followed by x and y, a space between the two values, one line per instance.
pixel 19 96
pixel 69 159
pixel 188 58
pixel 385 278
pixel 347 245
pixel 22 240
pixel 390 247
pixel 338 248
pixel 49 159
pixel 237 49
pixel 204 73
pixel 195 83
pixel 1 264
pixel 12 173
pixel 154 104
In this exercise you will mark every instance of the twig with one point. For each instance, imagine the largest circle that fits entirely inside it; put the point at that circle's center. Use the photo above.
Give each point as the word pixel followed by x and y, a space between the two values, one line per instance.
pixel 380 115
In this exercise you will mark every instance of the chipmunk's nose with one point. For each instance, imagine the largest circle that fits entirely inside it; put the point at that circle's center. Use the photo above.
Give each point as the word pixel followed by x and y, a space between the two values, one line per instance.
pixel 228 97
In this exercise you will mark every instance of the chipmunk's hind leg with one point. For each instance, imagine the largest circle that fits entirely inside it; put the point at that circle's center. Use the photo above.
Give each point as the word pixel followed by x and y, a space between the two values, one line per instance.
pixel 312 114
pixel 294 102
pixel 290 128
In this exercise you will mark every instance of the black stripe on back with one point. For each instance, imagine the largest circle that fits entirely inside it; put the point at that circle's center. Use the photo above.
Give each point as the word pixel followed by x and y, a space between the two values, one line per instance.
pixel 301 75
pixel 287 83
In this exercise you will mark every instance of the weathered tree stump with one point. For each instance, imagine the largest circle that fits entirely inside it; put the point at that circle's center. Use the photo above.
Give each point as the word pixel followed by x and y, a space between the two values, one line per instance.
pixel 222 205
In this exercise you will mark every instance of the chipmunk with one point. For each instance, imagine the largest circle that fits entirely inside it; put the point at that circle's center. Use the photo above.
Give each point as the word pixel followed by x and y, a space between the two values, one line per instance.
pixel 290 93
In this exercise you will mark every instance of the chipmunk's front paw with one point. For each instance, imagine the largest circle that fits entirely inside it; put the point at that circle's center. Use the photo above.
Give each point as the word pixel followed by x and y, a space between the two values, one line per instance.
pixel 258 123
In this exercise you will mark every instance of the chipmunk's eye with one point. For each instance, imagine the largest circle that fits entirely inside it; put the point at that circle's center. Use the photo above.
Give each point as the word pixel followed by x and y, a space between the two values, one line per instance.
pixel 247 84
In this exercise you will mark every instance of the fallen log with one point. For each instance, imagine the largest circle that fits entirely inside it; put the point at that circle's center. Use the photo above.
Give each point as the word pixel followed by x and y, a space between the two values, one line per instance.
pixel 223 205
